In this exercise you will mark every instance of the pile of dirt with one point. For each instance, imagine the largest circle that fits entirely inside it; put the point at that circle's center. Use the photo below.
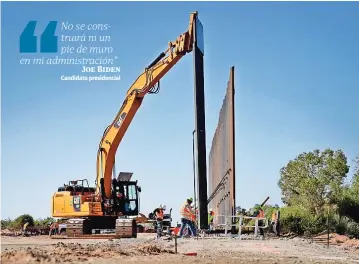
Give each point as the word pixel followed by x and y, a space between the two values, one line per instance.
pixel 8 232
pixel 5 232
pixel 342 242
pixel 75 252
pixel 345 242
pixel 148 249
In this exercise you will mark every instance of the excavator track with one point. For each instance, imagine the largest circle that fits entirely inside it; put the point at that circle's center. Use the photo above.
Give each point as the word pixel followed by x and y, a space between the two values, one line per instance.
pixel 124 228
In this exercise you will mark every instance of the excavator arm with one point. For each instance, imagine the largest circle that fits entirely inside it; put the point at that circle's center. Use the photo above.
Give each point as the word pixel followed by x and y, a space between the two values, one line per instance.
pixel 143 85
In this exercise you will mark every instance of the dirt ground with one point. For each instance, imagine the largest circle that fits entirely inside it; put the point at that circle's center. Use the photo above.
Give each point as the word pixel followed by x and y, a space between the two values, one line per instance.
pixel 146 249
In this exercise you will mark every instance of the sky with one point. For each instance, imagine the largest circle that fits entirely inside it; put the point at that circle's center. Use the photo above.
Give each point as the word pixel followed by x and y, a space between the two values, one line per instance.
pixel 296 81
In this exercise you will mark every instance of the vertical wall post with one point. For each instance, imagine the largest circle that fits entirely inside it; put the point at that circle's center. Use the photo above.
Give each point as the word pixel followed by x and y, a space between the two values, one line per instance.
pixel 200 123
pixel 194 171
pixel 232 143
pixel 240 222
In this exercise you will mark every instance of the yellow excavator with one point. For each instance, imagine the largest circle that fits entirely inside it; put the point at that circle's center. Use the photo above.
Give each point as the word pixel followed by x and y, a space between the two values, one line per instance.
pixel 108 207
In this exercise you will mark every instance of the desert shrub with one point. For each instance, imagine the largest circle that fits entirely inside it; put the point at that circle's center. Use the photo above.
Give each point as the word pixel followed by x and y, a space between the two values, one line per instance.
pixel 19 222
pixel 301 222
pixel 340 224
pixel 314 224
pixel 341 228
pixel 44 222
pixel 6 223
pixel 292 224
pixel 291 220
pixel 349 206
pixel 353 229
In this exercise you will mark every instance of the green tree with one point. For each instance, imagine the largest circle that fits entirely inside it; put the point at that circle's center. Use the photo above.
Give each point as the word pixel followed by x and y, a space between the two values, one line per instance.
pixel 355 181
pixel 313 178
pixel 348 204
pixel 22 219
pixel 44 222
pixel 6 223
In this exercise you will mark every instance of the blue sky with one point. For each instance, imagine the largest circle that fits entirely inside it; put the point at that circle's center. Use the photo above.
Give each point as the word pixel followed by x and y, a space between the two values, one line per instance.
pixel 296 80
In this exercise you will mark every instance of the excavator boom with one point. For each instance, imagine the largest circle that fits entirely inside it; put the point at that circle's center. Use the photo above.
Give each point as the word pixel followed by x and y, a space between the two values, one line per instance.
pixel 143 85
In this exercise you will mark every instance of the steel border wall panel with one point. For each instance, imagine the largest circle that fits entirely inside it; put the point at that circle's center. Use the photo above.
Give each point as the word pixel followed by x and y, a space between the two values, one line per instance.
pixel 221 165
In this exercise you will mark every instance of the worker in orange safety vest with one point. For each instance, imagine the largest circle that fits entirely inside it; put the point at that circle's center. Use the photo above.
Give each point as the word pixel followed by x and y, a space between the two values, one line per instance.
pixel 159 214
pixel 188 217
pixel 275 220
pixel 259 213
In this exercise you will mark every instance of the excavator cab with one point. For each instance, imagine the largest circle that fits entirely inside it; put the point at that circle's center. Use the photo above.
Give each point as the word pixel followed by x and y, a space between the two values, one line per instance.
pixel 125 196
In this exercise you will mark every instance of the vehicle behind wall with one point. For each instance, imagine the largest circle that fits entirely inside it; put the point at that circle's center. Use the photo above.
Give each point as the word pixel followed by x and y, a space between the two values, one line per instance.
pixel 167 222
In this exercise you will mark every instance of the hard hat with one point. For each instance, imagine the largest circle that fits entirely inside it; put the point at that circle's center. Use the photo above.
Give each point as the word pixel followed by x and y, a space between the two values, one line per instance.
pixel 190 199
pixel 163 207
pixel 211 210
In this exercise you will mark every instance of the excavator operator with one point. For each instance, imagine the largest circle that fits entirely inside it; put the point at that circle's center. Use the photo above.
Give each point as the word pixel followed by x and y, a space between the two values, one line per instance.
pixel 159 213
pixel 187 217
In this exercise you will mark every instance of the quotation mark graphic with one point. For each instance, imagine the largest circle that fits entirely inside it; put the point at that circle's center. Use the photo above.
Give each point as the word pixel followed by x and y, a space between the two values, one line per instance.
pixel 48 40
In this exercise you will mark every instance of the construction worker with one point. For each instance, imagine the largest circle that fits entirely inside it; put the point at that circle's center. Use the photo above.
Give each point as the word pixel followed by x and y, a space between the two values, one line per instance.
pixel 187 217
pixel 51 226
pixel 210 219
pixel 261 213
pixel 24 228
pixel 258 212
pixel 54 228
pixel 255 210
pixel 159 213
pixel 275 220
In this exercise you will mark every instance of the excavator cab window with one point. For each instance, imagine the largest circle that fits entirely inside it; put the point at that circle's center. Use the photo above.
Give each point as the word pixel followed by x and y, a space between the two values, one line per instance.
pixel 132 198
